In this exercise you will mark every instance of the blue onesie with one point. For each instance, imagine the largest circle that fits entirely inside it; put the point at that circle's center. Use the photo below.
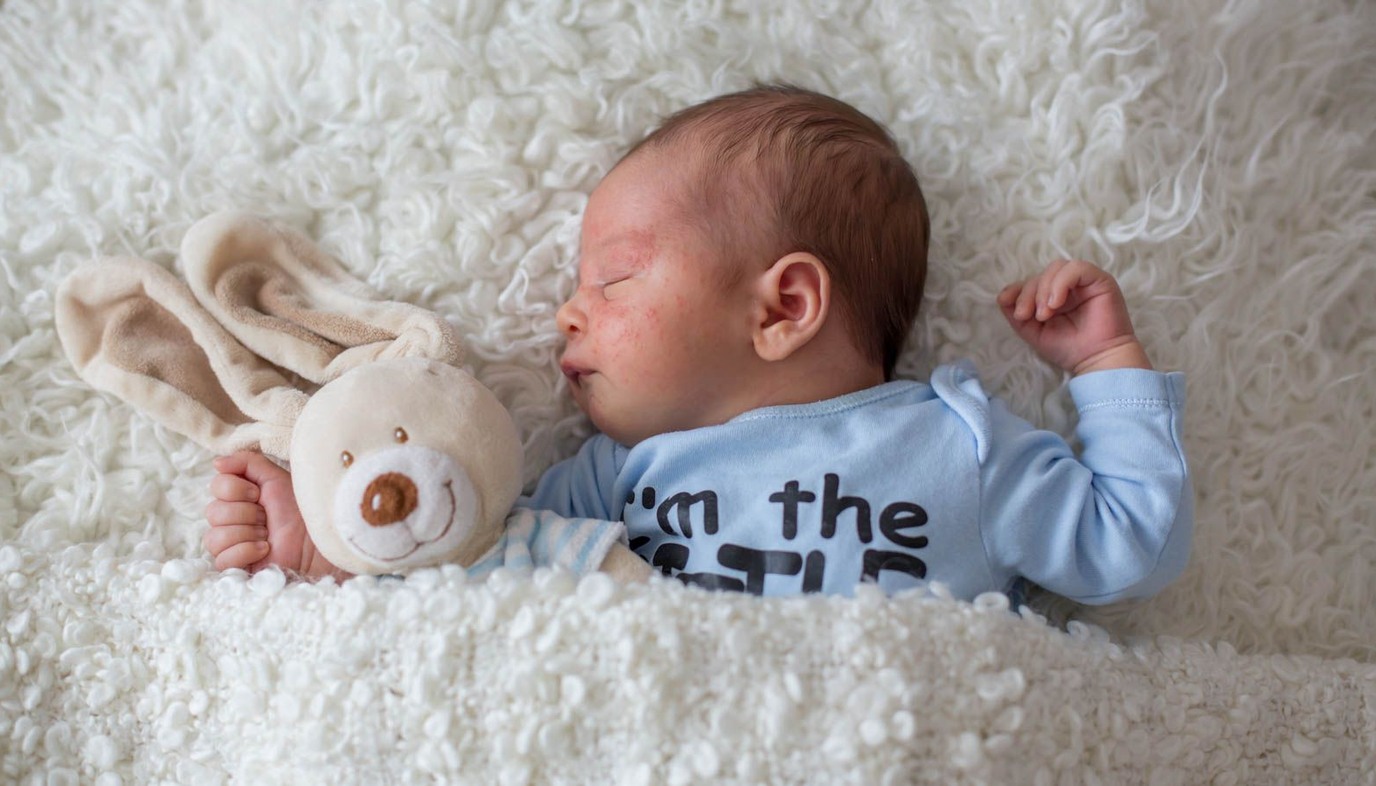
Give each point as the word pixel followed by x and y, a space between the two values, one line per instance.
pixel 902 484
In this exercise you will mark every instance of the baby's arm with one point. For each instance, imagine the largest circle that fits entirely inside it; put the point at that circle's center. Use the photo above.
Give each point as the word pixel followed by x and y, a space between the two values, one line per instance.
pixel 1116 521
pixel 581 485
pixel 255 522
pixel 1074 316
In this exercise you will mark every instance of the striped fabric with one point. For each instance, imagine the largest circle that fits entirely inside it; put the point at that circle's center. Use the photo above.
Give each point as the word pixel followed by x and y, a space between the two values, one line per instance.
pixel 542 538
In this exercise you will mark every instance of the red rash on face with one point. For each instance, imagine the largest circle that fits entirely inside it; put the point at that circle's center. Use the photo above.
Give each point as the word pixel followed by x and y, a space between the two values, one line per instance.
pixel 653 340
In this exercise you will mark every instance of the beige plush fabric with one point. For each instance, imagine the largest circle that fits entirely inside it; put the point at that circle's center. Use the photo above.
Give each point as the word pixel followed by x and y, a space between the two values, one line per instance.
pixel 132 329
pixel 414 424
pixel 294 305
pixel 229 360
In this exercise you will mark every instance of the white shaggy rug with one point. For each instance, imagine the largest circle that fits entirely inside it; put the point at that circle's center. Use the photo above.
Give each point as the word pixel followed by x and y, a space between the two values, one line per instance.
pixel 1217 156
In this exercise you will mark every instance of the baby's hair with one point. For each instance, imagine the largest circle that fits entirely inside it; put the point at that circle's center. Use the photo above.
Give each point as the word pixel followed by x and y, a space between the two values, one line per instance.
pixel 783 169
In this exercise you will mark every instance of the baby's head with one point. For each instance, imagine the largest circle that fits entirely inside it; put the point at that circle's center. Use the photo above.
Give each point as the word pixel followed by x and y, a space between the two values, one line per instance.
pixel 764 247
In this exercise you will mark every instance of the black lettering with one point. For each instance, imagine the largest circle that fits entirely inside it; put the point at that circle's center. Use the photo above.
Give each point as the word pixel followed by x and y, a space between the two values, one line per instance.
pixel 813 570
pixel 833 506
pixel 900 517
pixel 670 557
pixel 789 498
pixel 683 504
pixel 639 542
pixel 647 498
pixel 712 581
pixel 757 564
pixel 876 561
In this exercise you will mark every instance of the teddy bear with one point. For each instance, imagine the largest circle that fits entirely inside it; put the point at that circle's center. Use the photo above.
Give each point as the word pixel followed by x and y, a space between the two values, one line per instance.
pixel 399 457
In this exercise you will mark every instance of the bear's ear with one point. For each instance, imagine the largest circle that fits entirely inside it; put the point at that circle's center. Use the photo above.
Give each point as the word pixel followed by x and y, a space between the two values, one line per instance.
pixel 131 328
pixel 229 360
pixel 289 302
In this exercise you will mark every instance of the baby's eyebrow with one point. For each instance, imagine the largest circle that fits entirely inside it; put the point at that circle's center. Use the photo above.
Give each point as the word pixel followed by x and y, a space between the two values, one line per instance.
pixel 642 240
pixel 632 250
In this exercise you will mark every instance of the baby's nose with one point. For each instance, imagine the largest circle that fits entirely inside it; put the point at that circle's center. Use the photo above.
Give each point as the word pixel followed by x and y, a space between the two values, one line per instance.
pixel 390 498
pixel 570 319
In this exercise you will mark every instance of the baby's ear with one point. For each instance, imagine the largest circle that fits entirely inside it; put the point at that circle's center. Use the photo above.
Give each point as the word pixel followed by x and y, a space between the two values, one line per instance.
pixel 793 301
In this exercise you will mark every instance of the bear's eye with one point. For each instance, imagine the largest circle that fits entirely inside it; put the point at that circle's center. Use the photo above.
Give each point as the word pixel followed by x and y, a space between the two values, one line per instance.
pixel 346 458
pixel 400 434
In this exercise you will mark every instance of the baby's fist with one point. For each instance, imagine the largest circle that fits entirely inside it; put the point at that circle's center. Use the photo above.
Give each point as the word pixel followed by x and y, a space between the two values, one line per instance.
pixel 254 519
pixel 1074 316
pixel 238 534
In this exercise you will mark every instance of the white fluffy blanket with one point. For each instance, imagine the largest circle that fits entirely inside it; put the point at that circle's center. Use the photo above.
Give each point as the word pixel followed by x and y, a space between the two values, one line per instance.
pixel 1217 156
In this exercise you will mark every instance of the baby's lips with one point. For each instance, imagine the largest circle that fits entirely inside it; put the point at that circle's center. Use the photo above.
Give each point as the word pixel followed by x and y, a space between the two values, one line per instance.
pixel 572 370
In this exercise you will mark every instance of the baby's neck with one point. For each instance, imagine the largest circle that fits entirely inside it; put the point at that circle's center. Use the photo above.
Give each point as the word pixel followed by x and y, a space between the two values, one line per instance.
pixel 810 382
pixel 773 387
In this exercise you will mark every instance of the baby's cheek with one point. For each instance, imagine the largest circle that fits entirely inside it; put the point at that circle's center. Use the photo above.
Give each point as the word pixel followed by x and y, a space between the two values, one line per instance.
pixel 651 351
pixel 621 330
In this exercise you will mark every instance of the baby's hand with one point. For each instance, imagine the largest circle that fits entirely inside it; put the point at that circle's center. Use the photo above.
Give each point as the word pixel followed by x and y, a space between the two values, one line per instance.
pixel 255 522
pixel 1074 316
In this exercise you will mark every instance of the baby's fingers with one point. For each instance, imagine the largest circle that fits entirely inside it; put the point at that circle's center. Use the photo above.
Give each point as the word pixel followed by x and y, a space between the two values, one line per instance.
pixel 1021 302
pixel 233 488
pixel 241 555
pixel 1008 299
pixel 219 539
pixel 1045 288
pixel 235 463
pixel 1067 278
pixel 256 467
pixel 1074 275
pixel 1009 294
pixel 221 513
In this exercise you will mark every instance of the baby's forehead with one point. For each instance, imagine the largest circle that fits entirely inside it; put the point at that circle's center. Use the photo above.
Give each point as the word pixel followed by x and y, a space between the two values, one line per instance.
pixel 643 198
pixel 634 243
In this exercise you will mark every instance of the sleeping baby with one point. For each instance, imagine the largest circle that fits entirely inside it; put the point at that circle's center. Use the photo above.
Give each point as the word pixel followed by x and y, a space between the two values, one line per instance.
pixel 748 275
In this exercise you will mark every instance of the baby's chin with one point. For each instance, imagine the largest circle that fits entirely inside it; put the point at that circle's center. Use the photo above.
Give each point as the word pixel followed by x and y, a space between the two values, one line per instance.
pixel 589 407
pixel 614 421
pixel 620 431
pixel 617 431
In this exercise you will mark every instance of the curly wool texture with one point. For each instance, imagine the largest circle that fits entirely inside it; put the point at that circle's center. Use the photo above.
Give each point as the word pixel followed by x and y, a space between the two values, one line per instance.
pixel 159 670
pixel 1217 157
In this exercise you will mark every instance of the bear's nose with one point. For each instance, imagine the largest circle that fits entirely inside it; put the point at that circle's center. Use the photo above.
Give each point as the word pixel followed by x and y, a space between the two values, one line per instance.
pixel 388 499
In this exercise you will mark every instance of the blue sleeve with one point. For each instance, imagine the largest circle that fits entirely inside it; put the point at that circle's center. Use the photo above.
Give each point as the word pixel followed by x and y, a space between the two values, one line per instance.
pixel 1114 523
pixel 580 486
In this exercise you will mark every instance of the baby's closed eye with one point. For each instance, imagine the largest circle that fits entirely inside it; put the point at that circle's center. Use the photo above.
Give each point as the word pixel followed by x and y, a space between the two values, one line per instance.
pixel 612 287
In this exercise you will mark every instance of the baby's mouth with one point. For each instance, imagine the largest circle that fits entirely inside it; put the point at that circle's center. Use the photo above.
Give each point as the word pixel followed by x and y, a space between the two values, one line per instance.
pixel 573 373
